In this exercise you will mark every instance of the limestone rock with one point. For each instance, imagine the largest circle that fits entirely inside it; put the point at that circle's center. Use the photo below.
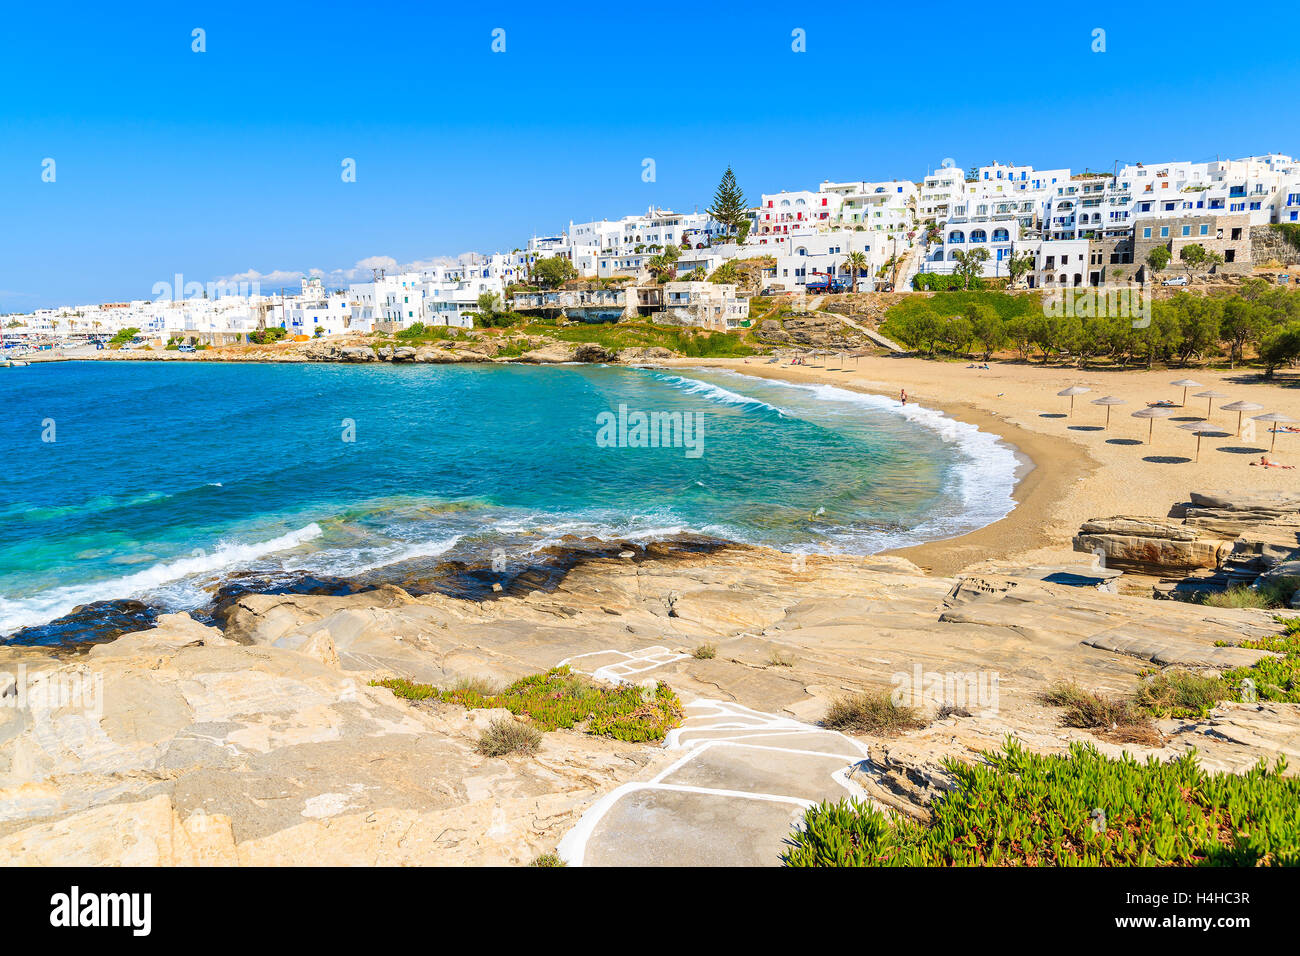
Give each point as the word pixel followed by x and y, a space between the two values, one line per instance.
pixel 1150 544
pixel 320 646
pixel 553 354
pixel 591 352
pixel 640 355
pixel 437 356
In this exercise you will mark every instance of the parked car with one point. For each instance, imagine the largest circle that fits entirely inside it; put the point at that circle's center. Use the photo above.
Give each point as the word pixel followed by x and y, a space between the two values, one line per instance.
pixel 1176 280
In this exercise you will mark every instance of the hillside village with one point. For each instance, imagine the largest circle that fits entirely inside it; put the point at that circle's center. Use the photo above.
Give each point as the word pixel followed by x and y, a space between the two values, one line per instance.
pixel 1004 224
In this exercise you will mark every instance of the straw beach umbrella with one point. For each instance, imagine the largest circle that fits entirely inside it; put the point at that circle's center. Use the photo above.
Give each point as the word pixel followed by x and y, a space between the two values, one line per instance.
pixel 1210 395
pixel 1276 418
pixel 1153 412
pixel 1240 408
pixel 1108 401
pixel 1072 391
pixel 1199 429
pixel 1185 384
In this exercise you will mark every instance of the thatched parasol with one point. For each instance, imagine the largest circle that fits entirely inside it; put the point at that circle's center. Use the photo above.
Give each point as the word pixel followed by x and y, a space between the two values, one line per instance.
pixel 1153 412
pixel 1072 391
pixel 1239 408
pixel 1276 418
pixel 1108 401
pixel 1185 384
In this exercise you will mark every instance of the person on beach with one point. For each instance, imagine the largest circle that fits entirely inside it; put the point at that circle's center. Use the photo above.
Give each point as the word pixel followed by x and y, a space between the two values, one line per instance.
pixel 902 395
pixel 1266 462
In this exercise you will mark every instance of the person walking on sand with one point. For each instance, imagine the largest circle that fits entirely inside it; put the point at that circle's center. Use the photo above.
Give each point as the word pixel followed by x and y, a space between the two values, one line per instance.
pixel 902 395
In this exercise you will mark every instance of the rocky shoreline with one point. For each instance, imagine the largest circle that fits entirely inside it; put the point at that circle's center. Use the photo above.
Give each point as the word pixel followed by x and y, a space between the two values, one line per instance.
pixel 477 349
pixel 264 742
pixel 470 578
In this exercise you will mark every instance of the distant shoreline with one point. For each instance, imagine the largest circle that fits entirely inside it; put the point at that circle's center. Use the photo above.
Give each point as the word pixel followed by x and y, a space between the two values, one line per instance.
pixel 1081 469
pixel 1036 487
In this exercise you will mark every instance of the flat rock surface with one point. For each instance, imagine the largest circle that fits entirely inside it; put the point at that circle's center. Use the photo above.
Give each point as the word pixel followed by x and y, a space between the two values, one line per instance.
pixel 267 744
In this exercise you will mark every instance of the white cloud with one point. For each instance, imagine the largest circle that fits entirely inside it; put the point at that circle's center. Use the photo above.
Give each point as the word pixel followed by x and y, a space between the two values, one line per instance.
pixel 360 272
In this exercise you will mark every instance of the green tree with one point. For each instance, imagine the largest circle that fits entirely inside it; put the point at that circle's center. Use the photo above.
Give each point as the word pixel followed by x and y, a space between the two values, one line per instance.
pixel 1199 320
pixel 987 328
pixel 1160 337
pixel 1192 256
pixel 1018 266
pixel 958 334
pixel 664 265
pixel 970 265
pixel 729 207
pixel 1281 347
pixel 1243 321
pixel 919 328
pixel 553 272
pixel 856 263
pixel 1157 259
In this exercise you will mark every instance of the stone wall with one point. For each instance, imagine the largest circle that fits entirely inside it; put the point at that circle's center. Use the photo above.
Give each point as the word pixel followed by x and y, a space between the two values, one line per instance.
pixel 1267 244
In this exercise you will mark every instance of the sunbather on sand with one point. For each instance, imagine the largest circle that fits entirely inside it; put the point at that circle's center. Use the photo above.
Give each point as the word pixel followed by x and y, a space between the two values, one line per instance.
pixel 1266 462
pixel 1162 404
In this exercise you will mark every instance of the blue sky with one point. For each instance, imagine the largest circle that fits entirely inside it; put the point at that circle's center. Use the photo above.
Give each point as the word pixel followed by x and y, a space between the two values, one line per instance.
pixel 213 164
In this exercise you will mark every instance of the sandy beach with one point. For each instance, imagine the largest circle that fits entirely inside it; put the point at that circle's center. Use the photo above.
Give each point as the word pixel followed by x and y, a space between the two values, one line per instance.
pixel 1079 470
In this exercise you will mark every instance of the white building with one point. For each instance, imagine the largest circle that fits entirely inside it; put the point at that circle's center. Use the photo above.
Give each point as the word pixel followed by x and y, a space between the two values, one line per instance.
pixel 706 304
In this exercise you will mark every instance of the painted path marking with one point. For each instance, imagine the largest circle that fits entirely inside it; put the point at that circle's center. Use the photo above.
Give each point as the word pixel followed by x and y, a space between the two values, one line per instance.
pixel 744 729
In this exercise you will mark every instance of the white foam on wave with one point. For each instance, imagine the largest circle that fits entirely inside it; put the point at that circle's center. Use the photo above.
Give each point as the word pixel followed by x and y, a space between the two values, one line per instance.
pixel 986 472
pixel 358 561
pixel 55 602
pixel 716 393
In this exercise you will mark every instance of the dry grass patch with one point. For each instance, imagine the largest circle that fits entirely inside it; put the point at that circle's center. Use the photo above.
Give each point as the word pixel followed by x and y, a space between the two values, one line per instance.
pixel 706 652
pixel 505 737
pixel 871 712
pixel 1114 718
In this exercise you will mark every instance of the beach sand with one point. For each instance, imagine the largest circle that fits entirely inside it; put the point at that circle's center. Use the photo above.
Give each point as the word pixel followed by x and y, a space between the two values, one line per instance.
pixel 1079 471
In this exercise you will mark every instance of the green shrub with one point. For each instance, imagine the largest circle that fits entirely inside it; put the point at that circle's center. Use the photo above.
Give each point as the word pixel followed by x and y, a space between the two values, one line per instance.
pixel 1290 231
pixel 1180 693
pixel 506 736
pixel 871 712
pixel 1080 808
pixel 706 652
pixel 560 699
pixel 936 282
pixel 1274 678
pixel 266 336
pixel 548 859
pixel 1266 596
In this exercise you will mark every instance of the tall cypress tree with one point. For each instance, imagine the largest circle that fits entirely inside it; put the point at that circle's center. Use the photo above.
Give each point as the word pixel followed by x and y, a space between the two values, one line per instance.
pixel 729 202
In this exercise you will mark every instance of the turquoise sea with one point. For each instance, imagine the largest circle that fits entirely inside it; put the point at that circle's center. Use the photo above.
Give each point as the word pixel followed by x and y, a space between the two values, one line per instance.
pixel 157 482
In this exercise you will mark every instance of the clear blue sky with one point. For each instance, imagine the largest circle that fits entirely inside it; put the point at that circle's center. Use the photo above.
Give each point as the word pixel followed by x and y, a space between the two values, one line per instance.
pixel 216 163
